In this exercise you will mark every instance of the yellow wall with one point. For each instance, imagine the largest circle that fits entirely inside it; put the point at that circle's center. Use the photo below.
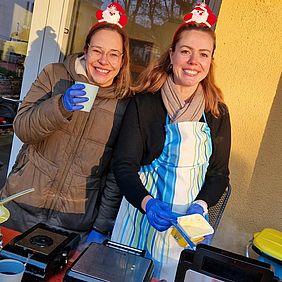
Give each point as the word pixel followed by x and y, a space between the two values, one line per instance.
pixel 249 64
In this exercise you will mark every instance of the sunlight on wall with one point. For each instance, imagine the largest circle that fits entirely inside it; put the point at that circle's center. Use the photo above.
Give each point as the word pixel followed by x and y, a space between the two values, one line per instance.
pixel 249 64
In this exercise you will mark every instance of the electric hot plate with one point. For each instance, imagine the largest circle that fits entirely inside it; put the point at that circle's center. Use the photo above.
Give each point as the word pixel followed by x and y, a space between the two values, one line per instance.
pixel 44 250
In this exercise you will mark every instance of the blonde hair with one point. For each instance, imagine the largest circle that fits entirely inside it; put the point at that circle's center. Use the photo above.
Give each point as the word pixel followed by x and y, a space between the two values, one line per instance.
pixel 155 75
pixel 123 79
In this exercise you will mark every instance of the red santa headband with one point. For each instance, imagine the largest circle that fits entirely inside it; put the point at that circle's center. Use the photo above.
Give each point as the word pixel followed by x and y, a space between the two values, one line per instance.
pixel 113 14
pixel 201 14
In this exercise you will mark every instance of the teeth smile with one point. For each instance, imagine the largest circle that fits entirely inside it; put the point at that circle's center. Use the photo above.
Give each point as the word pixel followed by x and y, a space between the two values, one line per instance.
pixel 190 72
pixel 103 71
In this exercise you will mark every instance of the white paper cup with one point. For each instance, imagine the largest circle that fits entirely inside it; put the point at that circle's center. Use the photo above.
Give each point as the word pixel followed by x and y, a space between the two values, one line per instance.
pixel 11 270
pixel 91 92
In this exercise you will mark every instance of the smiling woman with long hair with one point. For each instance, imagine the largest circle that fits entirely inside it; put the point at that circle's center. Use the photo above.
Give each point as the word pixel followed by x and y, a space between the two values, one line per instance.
pixel 173 148
pixel 67 151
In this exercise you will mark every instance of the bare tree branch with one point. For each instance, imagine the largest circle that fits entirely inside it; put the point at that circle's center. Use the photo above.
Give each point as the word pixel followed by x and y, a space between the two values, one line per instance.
pixel 135 12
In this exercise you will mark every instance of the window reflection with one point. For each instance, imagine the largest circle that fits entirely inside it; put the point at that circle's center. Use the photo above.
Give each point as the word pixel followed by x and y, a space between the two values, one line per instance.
pixel 15 22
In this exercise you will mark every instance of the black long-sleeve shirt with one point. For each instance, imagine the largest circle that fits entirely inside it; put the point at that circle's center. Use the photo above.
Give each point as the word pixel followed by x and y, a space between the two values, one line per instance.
pixel 141 140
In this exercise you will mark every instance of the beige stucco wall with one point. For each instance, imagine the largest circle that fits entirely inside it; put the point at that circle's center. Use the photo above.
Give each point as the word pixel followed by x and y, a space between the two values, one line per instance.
pixel 249 64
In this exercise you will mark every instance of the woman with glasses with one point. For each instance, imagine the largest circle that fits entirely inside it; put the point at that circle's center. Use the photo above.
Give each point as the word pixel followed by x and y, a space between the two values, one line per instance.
pixel 66 151
pixel 173 149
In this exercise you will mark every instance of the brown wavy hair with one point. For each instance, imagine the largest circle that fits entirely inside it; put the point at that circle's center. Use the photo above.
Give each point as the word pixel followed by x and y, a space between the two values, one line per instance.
pixel 123 79
pixel 155 75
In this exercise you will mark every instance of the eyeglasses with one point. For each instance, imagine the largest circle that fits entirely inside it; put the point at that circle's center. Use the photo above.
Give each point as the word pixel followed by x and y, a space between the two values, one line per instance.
pixel 112 56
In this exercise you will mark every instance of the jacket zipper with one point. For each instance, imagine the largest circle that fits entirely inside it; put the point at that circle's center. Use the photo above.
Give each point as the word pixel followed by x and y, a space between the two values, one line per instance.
pixel 67 168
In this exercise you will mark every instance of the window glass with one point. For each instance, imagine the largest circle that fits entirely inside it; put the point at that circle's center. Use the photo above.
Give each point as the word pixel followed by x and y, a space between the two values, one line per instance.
pixel 15 22
pixel 151 24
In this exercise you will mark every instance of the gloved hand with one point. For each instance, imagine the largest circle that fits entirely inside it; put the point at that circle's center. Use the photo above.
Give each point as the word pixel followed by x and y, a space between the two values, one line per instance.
pixel 207 239
pixel 96 237
pixel 159 214
pixel 72 96
pixel 197 208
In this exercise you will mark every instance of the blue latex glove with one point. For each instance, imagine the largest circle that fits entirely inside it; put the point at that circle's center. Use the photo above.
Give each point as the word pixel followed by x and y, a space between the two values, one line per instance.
pixel 207 239
pixel 159 214
pixel 72 96
pixel 96 237
pixel 195 208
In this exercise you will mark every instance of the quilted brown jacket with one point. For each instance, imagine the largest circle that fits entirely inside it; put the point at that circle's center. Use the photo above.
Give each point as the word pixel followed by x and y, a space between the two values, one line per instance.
pixel 65 156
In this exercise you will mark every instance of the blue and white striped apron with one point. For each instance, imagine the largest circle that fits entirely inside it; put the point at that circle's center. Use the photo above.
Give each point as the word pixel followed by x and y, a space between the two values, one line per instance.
pixel 175 177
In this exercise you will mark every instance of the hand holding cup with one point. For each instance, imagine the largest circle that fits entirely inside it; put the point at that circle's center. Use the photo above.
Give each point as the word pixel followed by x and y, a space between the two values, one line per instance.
pixel 73 97
pixel 91 92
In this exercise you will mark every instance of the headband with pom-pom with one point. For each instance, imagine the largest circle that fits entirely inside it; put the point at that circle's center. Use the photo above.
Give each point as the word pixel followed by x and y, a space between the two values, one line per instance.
pixel 113 14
